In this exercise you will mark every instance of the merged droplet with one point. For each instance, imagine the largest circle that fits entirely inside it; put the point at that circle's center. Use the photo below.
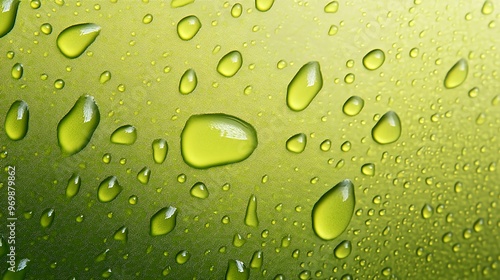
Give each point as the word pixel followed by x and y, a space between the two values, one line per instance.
pixel 17 71
pixel 199 190
pixel 343 249
pixel 236 270
pixel 188 82
pixel 374 59
pixel 457 74
pixel 8 15
pixel 47 217
pixel 160 150
pixel 216 139
pixel 251 218
pixel 297 143
pixel 333 211
pixel 163 221
pixel 144 175
pixel 76 128
pixel 304 86
pixel 17 120
pixel 353 105
pixel 388 128
pixel 188 27
pixel 180 3
pixel 230 64
pixel 124 135
pixel 73 186
pixel 264 5
pixel 109 189
pixel 74 40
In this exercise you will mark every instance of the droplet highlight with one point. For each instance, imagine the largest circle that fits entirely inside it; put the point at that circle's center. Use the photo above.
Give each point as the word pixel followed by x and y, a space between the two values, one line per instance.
pixel 73 186
pixel 343 249
pixel 388 128
pixel 304 86
pixel 230 64
pixel 17 71
pixel 17 120
pixel 47 217
pixel 74 40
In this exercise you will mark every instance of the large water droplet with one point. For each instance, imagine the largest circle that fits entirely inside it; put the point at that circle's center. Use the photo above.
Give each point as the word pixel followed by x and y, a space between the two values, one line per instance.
pixel 388 128
pixel 251 218
pixel 47 217
pixel 160 150
pixel 180 3
pixel 76 128
pixel 229 64
pixel 353 105
pixel 236 270
pixel 343 249
pixel 74 40
pixel 17 71
pixel 264 5
pixel 163 221
pixel 457 74
pixel 199 190
pixel 73 186
pixel 304 86
pixel 188 27
pixel 188 82
pixel 8 15
pixel 333 211
pixel 124 135
pixel 297 143
pixel 374 59
pixel 487 7
pixel 17 120
pixel 109 189
pixel 216 139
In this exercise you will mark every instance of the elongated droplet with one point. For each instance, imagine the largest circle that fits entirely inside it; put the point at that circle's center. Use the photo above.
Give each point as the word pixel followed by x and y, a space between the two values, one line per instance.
pixel 121 234
pixel 188 27
pixel 199 190
pixel 353 105
pixel 236 270
pixel 236 10
pixel 74 40
pixel 109 189
pixel 333 211
pixel 17 71
pixel 457 74
pixel 216 139
pixel 388 128
pixel 343 249
pixel 160 150
pixel 104 77
pixel 297 143
pixel 17 120
pixel 144 175
pixel 163 221
pixel 304 86
pixel 47 217
pixel 8 15
pixel 264 5
pixel 76 128
pixel 251 218
pixel 182 257
pixel 73 186
pixel 374 59
pixel 229 64
pixel 188 82
pixel 257 259
pixel 180 3
pixel 124 135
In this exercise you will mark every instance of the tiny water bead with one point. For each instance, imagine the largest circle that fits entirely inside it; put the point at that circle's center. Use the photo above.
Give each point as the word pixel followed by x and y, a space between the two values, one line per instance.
pixel 264 5
pixel 236 270
pixel 188 82
pixel 144 175
pixel 199 190
pixel 251 217
pixel 297 143
pixel 17 120
pixel 457 74
pixel 304 86
pixel 210 140
pixel 332 213
pixel 374 59
pixel 47 217
pixel 188 27
pixel 388 128
pixel 353 105
pixel 8 16
pixel 73 186
pixel 109 189
pixel 124 135
pixel 17 71
pixel 163 221
pixel 160 150
pixel 230 64
pixel 74 40
pixel 343 249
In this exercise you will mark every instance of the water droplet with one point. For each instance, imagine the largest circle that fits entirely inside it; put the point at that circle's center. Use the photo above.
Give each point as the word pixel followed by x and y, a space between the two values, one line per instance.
pixel 143 175
pixel 121 234
pixel 160 150
pixel 487 7
pixel 388 128
pixel 163 221
pixel 46 28
pixel 286 241
pixel 147 19
pixel 104 77
pixel 229 64
pixel 180 3
pixel 17 273
pixel 236 10
pixel 479 225
pixel 236 270
pixel 216 139
pixel 188 82
pixel 109 189
pixel 333 30
pixel 368 169
pixel 257 259
pixel 17 120
pixel 297 143
pixel 76 128
pixel 447 237
pixel 332 7
pixel 8 16
pixel 74 40
pixel 47 217
pixel 59 84
pixel 251 218
pixel 346 146
pixel 325 145
pixel 238 240
pixel 457 74
pixel 182 257
pixel 133 199
pixel 349 78
pixel 481 118
pixel 427 211
pixel 188 27
pixel 374 59
pixel 124 135
pixel 199 190
pixel 304 86
pixel 343 249
pixel 73 186
pixel 353 105
pixel 35 4
pixel 264 5
pixel 17 71
pixel 333 211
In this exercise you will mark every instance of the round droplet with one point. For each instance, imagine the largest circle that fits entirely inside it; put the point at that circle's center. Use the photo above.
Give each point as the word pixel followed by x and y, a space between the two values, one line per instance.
pixel 343 249
pixel 427 211
pixel 251 217
pixel 47 217
pixel 104 77
pixel 17 120
pixel 353 105
pixel 332 213
pixel 257 259
pixel 325 145
pixel 332 7
pixel 304 86
pixel 74 40
pixel 487 7
pixel 108 189
pixel 368 169
pixel 297 143
pixel 163 221
pixel 182 257
pixel 188 82
pixel 457 74
pixel 124 135
pixel 374 59
pixel 236 270
pixel 346 146
pixel 388 128
pixel 229 64
pixel 236 10
pixel 188 27
pixel 216 139
pixel 59 84
pixel 73 186
pixel 8 16
pixel 17 71
pixel 264 5
pixel 46 28
pixel 147 19
pixel 180 3
pixel 199 190
pixel 76 128
pixel 144 175
pixel 121 234
pixel 160 150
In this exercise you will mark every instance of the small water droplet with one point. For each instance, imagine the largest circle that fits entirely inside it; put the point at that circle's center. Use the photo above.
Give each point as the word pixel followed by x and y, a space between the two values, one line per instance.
pixel 286 241
pixel 17 71
pixel 104 77
pixel 388 128
pixel 147 19
pixel 236 270
pixel 182 257
pixel 487 7
pixel 144 175
pixel 457 74
pixel 230 64
pixel 17 120
pixel 199 190
pixel 180 3
pixel 59 84
pixel 236 10
pixel 8 16
pixel 35 4
pixel 304 86
pixel 427 211
pixel 106 158
pixel 160 150
pixel 353 105
pixel 479 225
pixel 133 199
pixel 325 145
pixel 163 221
pixel 47 217
pixel 368 169
pixel 251 217
pixel 333 30
pixel 121 234
pixel 238 240
pixel 447 237
pixel 374 59
pixel 74 40
pixel 73 186
pixel 297 143
pixel 257 259
pixel 349 78
pixel 343 249
pixel 188 82
pixel 188 27
pixel 124 135
pixel 264 5
pixel 108 189
pixel 46 28
pixel 332 7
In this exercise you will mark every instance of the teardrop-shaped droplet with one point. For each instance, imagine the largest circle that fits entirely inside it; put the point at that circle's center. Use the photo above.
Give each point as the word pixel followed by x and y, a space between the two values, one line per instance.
pixel 144 175
pixel 236 10
pixel 251 218
pixel 368 169
pixel 76 128
pixel 388 128
pixel 182 257
pixel 17 71
pixel 73 186
pixel 8 15
pixel 487 7
pixel 199 190
pixel 257 259
pixel 17 120
pixel 353 105
pixel 325 145
pixel 180 3
pixel 264 5
pixel 457 74
pixel 124 135
pixel 163 221
pixel 297 143
pixel 343 249
pixel 160 150
pixel 304 86
pixel 121 234
pixel 374 59
pixel 188 27
pixel 427 211
pixel 216 139
pixel 74 40
pixel 332 7
pixel 104 77
pixel 229 64
pixel 109 189
pixel 333 211
pixel 188 82
pixel 236 270
pixel 47 217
